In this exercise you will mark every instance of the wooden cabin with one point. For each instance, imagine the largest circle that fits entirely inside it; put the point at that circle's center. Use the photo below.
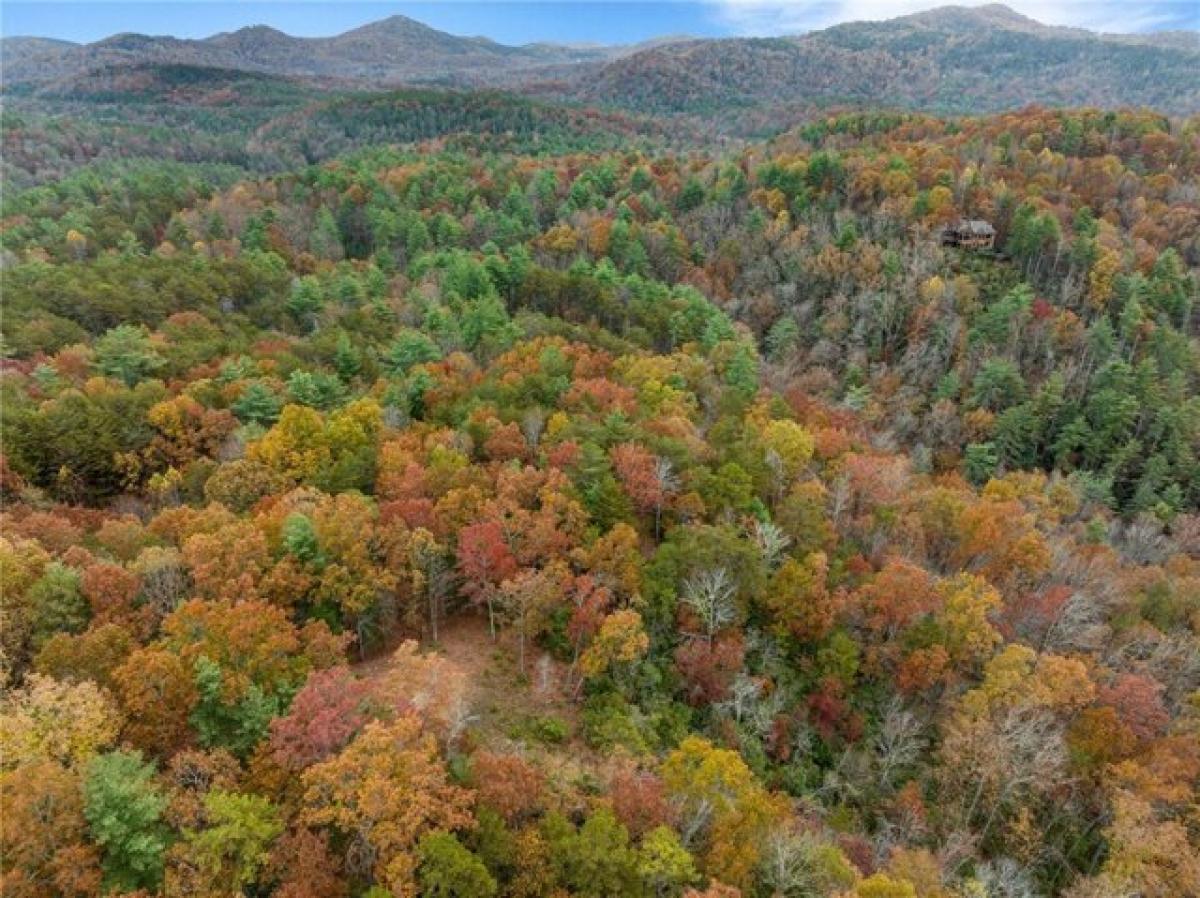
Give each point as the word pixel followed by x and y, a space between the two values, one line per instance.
pixel 970 233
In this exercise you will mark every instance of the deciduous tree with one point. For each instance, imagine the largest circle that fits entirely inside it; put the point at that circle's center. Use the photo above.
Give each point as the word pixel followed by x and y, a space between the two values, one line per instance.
pixel 124 808
pixel 44 850
pixel 385 791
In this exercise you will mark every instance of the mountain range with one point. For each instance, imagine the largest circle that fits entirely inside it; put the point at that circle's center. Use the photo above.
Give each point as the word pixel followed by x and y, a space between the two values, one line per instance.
pixel 394 50
pixel 948 60
pixel 951 59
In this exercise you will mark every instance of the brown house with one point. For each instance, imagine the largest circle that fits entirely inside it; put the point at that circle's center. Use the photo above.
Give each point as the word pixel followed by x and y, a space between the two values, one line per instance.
pixel 969 233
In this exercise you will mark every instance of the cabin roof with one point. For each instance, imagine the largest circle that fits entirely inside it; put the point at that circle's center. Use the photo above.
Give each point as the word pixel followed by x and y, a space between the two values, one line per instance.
pixel 975 226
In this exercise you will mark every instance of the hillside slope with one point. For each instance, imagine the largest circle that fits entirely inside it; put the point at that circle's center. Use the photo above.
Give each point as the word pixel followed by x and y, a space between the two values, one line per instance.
pixel 757 543
pixel 951 59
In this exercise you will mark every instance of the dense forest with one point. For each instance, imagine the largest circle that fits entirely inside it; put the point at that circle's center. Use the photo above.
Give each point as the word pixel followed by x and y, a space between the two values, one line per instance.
pixel 437 494
pixel 259 124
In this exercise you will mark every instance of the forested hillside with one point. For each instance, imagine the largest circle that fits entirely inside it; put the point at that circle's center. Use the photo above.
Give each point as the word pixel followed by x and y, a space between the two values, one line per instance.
pixel 180 113
pixel 528 512
pixel 264 124
pixel 948 60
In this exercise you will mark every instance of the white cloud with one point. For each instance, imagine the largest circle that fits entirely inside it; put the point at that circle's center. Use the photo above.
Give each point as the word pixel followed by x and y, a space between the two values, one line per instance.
pixel 774 17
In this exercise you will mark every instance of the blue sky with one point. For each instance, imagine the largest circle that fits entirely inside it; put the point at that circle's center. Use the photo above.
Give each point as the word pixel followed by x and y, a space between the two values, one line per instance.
pixel 522 21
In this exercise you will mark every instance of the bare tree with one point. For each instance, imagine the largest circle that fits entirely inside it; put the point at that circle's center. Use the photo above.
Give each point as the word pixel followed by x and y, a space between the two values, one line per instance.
pixel 533 422
pixel 438 582
pixel 794 864
pixel 748 706
pixel 993 764
pixel 772 542
pixel 1005 878
pixel 898 743
pixel 165 579
pixel 710 595
pixel 1142 541
pixel 668 485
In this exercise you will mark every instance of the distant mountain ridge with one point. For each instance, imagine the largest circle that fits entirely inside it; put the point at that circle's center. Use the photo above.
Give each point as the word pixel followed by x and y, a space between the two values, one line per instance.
pixel 947 60
pixel 392 50
pixel 950 60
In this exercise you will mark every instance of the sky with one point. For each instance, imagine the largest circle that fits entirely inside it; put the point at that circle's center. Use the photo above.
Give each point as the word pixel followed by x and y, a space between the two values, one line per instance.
pixel 526 21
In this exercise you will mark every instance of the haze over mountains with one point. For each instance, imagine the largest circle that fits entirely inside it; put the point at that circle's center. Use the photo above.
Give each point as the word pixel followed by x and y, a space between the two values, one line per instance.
pixel 393 50
pixel 951 59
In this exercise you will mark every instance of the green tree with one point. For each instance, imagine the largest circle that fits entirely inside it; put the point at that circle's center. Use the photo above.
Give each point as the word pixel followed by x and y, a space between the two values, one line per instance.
pixel 127 354
pixel 237 726
pixel 980 461
pixel 235 844
pixel 320 390
pixel 691 196
pixel 1171 288
pixel 596 861
pixel 306 300
pixel 258 404
pixel 998 385
pixel 124 806
pixel 449 870
pixel 411 347
pixel 346 359
pixel 326 239
pixel 486 327
pixel 664 864
pixel 300 538
pixel 741 374
pixel 782 338
pixel 1017 435
pixel 56 604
